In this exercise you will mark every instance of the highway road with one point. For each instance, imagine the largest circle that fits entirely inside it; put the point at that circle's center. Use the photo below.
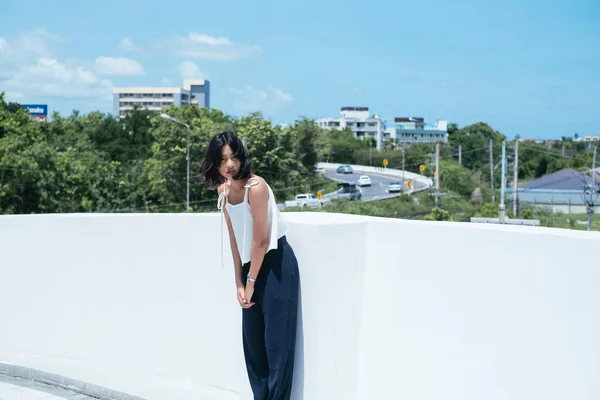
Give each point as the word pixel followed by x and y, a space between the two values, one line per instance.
pixel 377 190
pixel 379 183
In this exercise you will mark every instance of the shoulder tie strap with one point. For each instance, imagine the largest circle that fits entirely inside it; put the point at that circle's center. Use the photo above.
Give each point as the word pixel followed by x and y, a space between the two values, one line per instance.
pixel 221 202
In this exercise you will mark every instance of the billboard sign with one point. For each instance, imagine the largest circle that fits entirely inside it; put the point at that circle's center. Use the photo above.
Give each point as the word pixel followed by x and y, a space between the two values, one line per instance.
pixel 37 111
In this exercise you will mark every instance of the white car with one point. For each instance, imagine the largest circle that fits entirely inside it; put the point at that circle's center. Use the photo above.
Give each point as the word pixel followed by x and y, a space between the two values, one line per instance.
pixel 344 169
pixel 364 180
pixel 395 187
pixel 304 200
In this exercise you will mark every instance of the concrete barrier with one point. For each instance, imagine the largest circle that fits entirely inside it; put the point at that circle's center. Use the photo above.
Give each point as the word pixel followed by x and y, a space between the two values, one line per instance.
pixel 138 306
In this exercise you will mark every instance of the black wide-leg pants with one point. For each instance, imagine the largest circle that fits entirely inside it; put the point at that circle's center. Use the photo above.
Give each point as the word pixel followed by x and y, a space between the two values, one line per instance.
pixel 269 326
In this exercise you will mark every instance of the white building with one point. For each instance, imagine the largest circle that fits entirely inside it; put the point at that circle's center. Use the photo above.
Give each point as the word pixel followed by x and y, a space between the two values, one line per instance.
pixel 404 129
pixel 414 130
pixel 358 120
pixel 194 91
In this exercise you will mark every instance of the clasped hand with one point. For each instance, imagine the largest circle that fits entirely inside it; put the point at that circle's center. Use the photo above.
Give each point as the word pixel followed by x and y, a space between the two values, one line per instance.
pixel 245 296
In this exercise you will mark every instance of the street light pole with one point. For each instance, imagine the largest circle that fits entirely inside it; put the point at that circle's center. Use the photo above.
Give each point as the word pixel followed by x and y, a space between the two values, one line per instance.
pixel 187 157
pixel 502 207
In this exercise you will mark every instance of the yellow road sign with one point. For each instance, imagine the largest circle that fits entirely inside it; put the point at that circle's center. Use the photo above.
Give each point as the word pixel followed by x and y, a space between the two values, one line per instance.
pixel 385 162
pixel 409 184
pixel 421 168
pixel 320 195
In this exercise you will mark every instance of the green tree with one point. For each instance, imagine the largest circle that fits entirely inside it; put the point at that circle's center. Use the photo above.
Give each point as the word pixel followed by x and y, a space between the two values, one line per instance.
pixel 452 128
pixel 308 136
pixel 342 146
pixel 474 141
pixel 457 179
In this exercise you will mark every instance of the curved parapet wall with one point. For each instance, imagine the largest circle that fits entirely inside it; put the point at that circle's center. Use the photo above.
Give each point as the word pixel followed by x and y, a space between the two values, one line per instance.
pixel 138 306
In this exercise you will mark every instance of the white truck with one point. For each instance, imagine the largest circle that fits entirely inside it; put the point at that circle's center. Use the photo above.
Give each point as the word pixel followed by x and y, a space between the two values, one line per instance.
pixel 304 200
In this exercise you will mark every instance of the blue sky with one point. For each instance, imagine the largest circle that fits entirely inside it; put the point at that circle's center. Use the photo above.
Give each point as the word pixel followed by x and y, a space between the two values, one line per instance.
pixel 528 68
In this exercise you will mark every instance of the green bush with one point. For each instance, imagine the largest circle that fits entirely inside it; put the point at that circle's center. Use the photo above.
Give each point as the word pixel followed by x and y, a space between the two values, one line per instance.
pixel 527 213
pixel 438 214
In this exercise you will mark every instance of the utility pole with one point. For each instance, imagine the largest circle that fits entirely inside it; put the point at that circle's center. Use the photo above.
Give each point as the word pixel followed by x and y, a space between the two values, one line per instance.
pixel 590 193
pixel 594 167
pixel 459 154
pixel 492 170
pixel 516 181
pixel 403 155
pixel 501 207
pixel 437 174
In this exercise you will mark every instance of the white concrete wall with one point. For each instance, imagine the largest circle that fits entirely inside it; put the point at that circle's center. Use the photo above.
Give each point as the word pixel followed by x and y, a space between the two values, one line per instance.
pixel 389 309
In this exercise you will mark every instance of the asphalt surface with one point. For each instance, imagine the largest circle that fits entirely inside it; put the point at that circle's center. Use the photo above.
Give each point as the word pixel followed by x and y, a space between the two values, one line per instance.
pixel 379 184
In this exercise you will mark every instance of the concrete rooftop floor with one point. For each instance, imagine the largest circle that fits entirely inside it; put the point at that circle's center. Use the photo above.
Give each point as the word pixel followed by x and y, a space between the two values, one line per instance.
pixel 23 389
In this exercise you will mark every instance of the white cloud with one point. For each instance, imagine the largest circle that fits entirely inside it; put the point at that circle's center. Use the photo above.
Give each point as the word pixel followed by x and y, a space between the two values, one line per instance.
pixel 127 44
pixel 209 40
pixel 118 66
pixel 30 69
pixel 250 99
pixel 14 96
pixel 166 82
pixel 202 46
pixel 51 78
pixel 189 70
pixel 38 42
pixel 25 48
pixel 281 95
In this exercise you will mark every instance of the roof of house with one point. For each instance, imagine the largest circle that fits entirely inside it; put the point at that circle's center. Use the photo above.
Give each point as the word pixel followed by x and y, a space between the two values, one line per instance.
pixel 564 179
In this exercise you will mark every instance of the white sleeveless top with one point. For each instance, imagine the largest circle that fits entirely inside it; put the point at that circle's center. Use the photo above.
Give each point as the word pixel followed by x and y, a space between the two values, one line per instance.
pixel 241 222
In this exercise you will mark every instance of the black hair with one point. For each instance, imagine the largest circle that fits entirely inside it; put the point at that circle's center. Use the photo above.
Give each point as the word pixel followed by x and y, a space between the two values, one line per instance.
pixel 209 173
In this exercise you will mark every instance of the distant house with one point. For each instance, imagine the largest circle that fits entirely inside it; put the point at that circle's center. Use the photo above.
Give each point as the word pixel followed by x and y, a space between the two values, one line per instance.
pixel 565 179
pixel 563 189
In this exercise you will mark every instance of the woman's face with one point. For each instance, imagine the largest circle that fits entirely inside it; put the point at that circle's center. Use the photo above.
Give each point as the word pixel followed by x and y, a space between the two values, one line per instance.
pixel 229 165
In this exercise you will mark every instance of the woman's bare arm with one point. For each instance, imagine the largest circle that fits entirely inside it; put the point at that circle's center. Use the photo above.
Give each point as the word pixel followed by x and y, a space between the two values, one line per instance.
pixel 237 260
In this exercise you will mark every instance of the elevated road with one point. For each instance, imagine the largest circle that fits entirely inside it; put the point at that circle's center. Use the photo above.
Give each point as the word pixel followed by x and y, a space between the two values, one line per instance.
pixel 380 180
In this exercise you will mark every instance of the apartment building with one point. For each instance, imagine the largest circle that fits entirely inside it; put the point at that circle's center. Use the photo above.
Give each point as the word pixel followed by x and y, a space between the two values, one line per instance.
pixel 415 130
pixel 359 121
pixel 591 138
pixel 194 91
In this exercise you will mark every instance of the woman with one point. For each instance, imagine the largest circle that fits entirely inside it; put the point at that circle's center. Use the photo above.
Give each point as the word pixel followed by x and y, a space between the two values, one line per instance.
pixel 266 269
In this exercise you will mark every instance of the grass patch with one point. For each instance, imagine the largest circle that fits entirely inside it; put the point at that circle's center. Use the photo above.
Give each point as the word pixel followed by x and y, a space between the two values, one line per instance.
pixel 567 221
pixel 416 206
